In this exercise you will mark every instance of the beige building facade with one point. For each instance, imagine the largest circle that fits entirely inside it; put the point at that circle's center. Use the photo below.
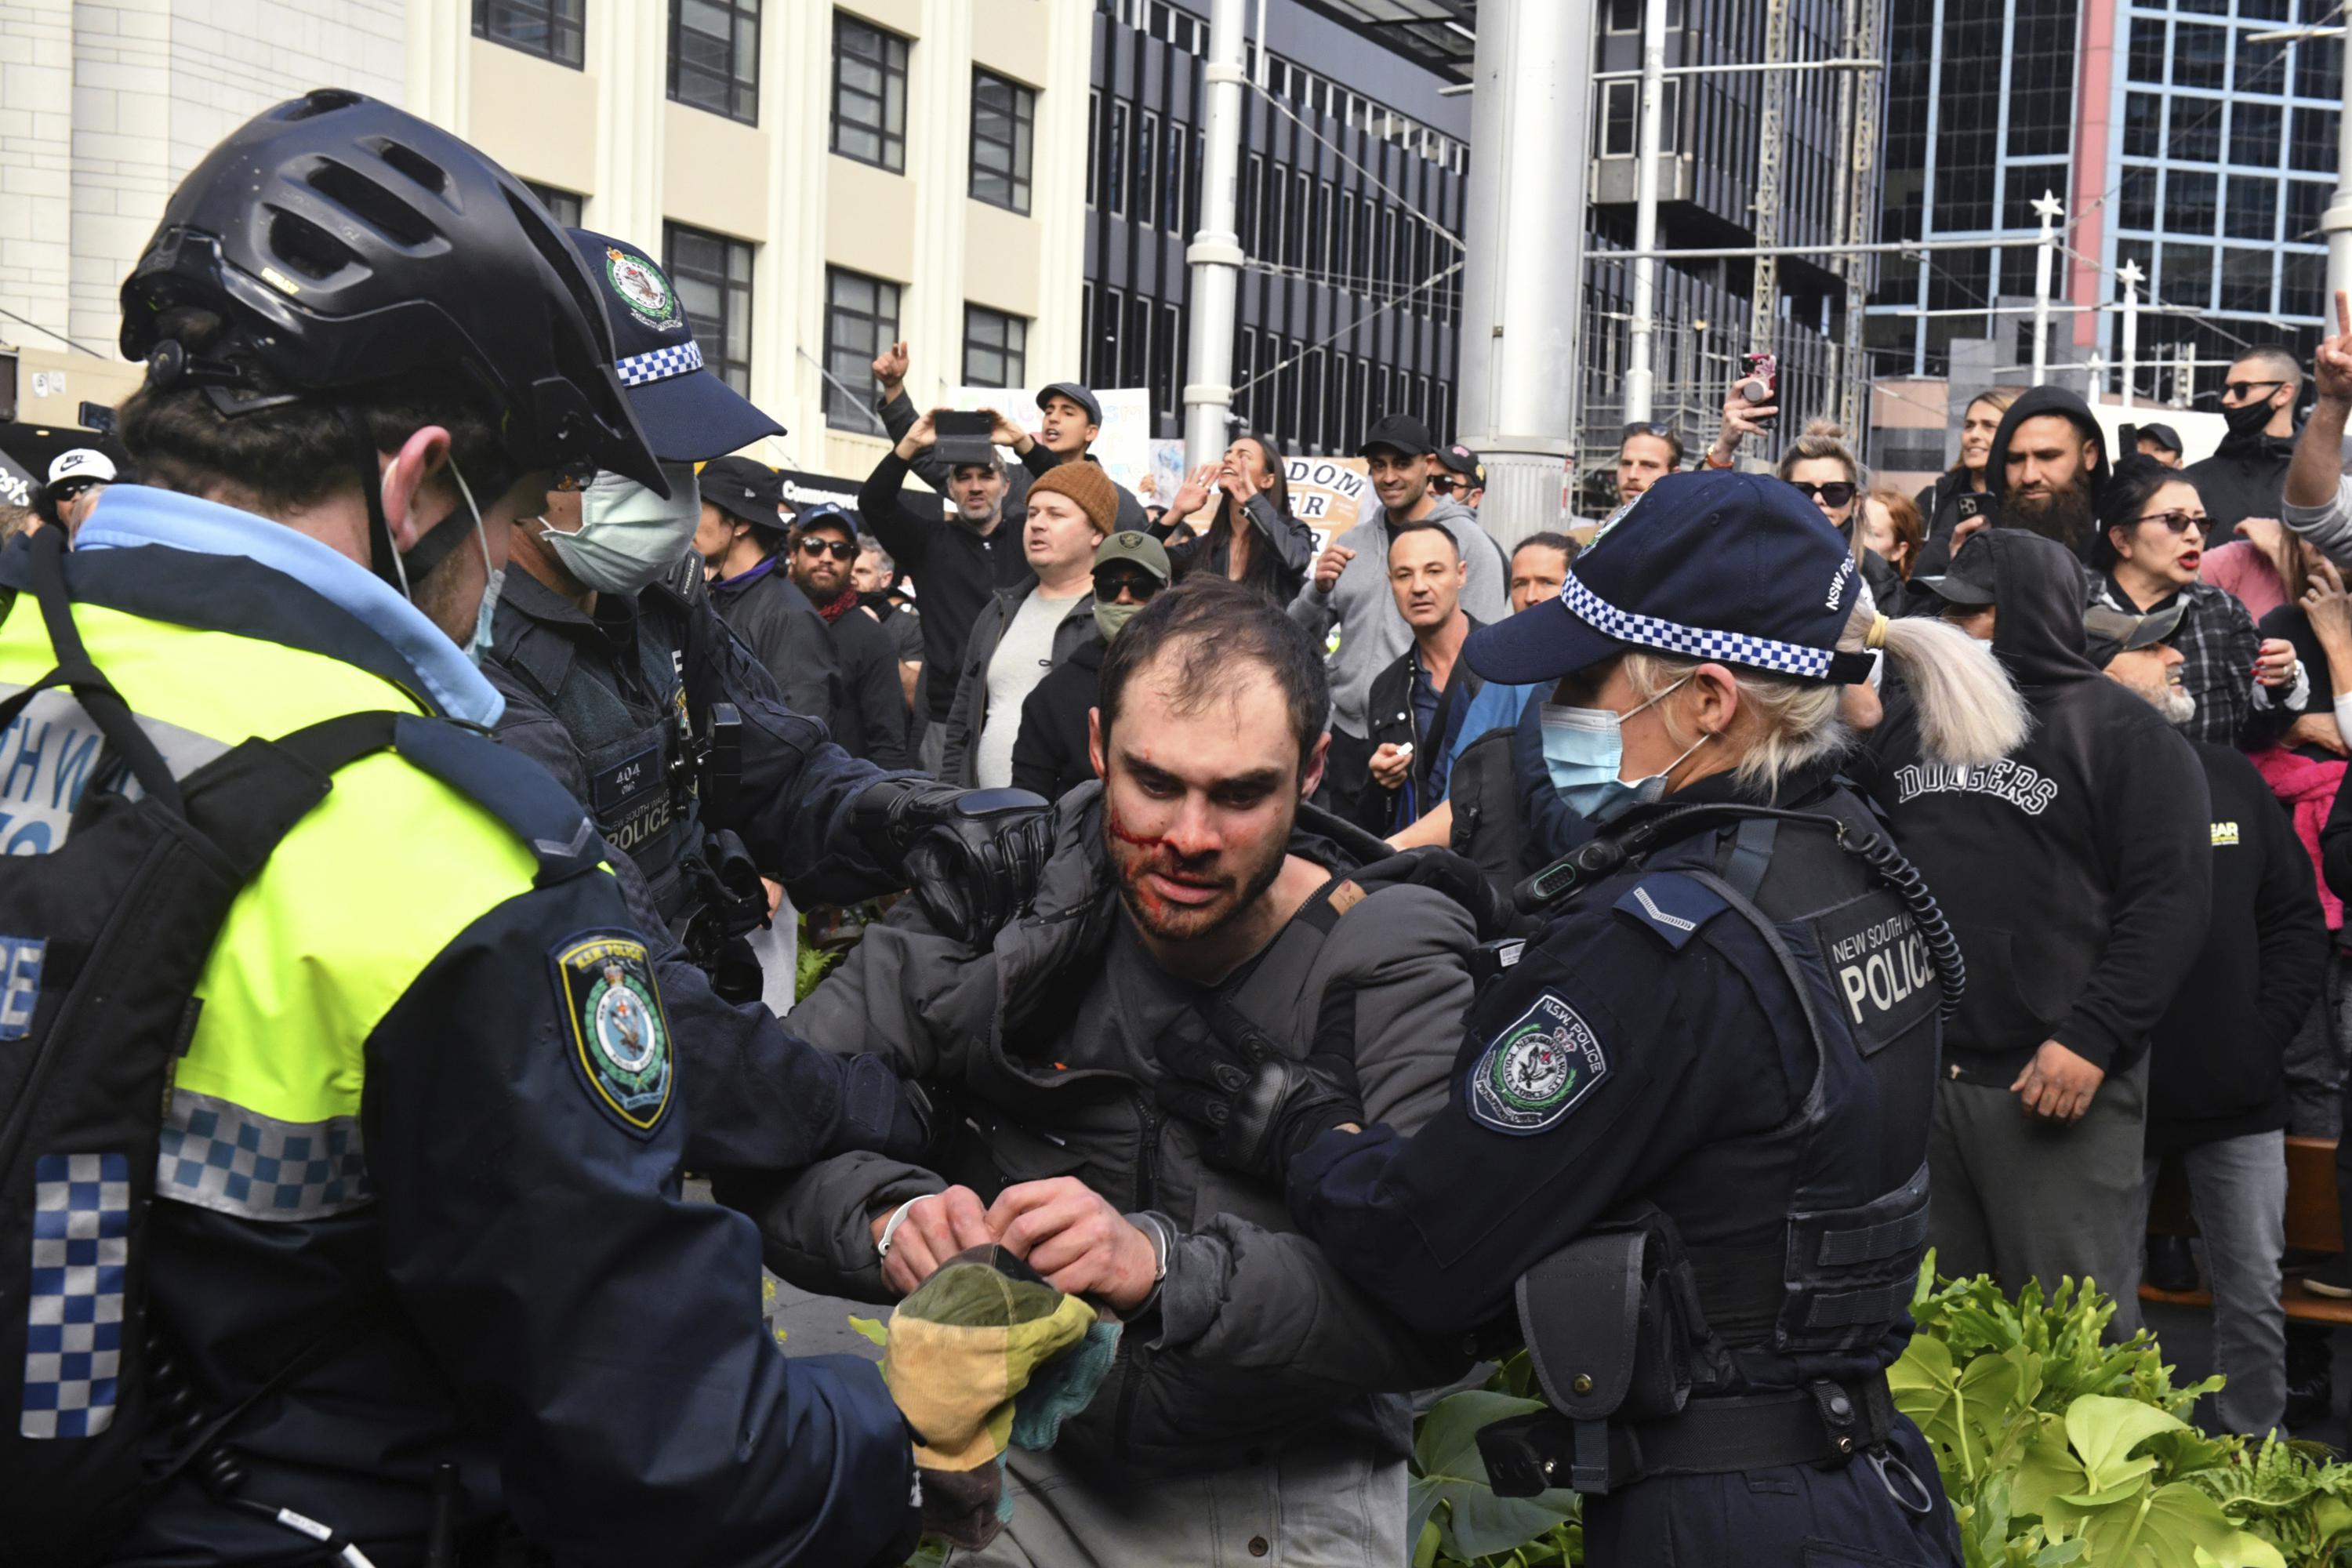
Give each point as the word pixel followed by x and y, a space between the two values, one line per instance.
pixel 816 176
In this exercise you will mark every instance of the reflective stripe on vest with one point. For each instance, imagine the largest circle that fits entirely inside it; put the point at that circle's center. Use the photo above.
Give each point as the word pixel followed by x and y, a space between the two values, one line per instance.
pixel 354 903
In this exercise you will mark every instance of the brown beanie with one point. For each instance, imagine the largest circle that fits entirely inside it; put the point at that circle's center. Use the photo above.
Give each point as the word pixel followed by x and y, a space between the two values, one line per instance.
pixel 1083 482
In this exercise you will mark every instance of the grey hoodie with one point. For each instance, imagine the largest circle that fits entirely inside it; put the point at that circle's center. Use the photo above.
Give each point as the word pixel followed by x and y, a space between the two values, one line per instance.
pixel 1372 633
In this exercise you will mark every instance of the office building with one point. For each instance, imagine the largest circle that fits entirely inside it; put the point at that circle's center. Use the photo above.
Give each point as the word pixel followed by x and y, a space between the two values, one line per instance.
pixel 819 179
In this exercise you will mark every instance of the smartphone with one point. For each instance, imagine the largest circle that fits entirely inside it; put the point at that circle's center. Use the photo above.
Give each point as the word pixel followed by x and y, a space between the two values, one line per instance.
pixel 1759 382
pixel 963 438
pixel 1974 503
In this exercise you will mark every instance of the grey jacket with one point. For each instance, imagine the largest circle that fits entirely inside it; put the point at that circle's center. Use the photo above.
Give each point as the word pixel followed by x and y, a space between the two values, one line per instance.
pixel 2328 526
pixel 1372 633
pixel 959 763
pixel 1255 1336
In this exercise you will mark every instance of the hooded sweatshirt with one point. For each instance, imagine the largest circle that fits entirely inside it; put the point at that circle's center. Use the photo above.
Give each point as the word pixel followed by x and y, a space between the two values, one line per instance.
pixel 2245 477
pixel 1936 555
pixel 2076 871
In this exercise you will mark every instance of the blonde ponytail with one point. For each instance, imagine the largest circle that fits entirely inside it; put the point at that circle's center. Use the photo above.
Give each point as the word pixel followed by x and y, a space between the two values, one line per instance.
pixel 1969 712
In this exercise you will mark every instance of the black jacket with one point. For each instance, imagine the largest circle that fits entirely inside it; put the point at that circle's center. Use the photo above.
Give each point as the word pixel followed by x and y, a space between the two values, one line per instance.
pixel 1050 756
pixel 1939 503
pixel 1281 550
pixel 2245 477
pixel 955 569
pixel 765 608
pixel 899 417
pixel 1936 555
pixel 873 719
pixel 1392 720
pixel 2218 1066
pixel 2076 870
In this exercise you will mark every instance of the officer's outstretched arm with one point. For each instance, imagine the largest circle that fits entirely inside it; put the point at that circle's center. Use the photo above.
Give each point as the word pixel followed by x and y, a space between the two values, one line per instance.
pixel 523 1131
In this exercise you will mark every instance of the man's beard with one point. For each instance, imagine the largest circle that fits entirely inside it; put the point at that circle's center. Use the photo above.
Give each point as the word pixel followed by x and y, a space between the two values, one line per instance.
pixel 1242 883
pixel 2176 706
pixel 2062 515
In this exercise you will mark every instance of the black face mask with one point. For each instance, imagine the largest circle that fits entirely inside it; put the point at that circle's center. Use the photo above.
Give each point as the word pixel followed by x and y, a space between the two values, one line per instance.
pixel 2248 418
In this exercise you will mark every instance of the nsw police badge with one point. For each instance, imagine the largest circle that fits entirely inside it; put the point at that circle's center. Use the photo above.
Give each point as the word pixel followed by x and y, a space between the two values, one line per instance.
pixel 620 1036
pixel 1535 1072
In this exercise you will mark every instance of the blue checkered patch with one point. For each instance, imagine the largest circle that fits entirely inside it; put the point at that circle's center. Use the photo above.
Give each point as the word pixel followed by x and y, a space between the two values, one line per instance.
pixel 81 1246
pixel 659 364
pixel 1698 642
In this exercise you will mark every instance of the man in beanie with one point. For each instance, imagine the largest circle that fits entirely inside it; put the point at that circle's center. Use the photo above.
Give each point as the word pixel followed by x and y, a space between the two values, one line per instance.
pixel 1050 756
pixel 872 721
pixel 744 527
pixel 1026 631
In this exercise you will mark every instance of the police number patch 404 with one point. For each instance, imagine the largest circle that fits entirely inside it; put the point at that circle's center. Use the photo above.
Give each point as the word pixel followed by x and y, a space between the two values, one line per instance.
pixel 620 1037
pixel 1537 1071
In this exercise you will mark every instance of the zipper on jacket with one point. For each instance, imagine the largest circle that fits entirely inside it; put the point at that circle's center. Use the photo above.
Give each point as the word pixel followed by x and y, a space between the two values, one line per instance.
pixel 1147 1178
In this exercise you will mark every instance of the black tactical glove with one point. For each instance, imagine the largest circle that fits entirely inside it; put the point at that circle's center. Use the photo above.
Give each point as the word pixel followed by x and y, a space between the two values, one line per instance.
pixel 1455 875
pixel 1255 1106
pixel 972 856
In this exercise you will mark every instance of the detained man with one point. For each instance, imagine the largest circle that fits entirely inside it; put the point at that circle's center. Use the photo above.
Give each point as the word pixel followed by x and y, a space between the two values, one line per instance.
pixel 1254 1411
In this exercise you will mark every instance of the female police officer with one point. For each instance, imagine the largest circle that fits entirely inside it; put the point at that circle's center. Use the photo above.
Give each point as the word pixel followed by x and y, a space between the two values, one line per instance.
pixel 1687 1139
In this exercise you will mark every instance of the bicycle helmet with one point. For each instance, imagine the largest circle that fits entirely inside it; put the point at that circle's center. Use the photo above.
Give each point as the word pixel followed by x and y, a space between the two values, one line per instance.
pixel 344 241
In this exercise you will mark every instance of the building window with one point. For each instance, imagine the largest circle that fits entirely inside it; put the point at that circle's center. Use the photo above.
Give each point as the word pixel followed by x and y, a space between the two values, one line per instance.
pixel 2255 132
pixel 714 57
pixel 1102 357
pixel 1004 120
pixel 2187 276
pixel 2253 212
pixel 2246 280
pixel 1115 160
pixel 2302 279
pixel 712 275
pixel 2147 50
pixel 2143 125
pixel 562 206
pixel 1171 179
pixel 996 348
pixel 2201 55
pixel 2312 147
pixel 1147 165
pixel 861 320
pixel 1094 149
pixel 551 29
pixel 2190 201
pixel 1135 345
pixel 2305 200
pixel 2136 198
pixel 869 94
pixel 1620 117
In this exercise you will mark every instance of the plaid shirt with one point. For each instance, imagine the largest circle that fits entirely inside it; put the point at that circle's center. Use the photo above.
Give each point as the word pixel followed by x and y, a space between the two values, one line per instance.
pixel 2218 645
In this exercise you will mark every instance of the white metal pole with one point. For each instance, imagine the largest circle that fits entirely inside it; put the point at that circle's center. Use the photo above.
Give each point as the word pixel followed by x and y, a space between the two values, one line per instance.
pixel 1522 294
pixel 2129 276
pixel 2045 257
pixel 2335 223
pixel 1215 253
pixel 1641 376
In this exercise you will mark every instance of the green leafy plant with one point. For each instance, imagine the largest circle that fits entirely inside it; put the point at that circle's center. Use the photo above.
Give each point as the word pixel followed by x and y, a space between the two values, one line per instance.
pixel 2056 1446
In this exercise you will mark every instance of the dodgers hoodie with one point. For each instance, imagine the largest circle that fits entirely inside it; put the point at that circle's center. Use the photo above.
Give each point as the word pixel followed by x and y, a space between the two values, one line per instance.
pixel 2076 871
pixel 1936 554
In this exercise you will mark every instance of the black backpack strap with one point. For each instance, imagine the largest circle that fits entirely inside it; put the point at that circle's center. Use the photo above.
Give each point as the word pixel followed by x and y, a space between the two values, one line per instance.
pixel 249 799
pixel 46 569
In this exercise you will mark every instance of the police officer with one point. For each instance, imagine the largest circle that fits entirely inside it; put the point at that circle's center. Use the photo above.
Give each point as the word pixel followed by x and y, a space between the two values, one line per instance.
pixel 1709 1072
pixel 613 662
pixel 424 1277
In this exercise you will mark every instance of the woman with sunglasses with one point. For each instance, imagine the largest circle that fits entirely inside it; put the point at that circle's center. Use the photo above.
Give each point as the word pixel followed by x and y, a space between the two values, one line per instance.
pixel 1253 539
pixel 1824 468
pixel 2151 538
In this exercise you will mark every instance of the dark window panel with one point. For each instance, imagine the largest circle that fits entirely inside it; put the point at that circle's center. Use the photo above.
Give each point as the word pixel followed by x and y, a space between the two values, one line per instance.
pixel 712 275
pixel 714 57
pixel 1003 123
pixel 2143 125
pixel 996 348
pixel 552 29
pixel 2312 145
pixel 861 320
pixel 2257 133
pixel 2253 212
pixel 2246 280
pixel 2186 275
pixel 869 94
pixel 2191 198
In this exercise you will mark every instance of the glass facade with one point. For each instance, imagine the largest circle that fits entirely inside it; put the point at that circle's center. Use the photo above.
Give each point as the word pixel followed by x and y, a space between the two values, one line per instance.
pixel 2221 156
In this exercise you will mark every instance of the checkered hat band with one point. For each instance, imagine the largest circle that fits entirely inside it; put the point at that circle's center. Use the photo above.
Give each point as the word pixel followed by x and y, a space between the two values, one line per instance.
pixel 660 364
pixel 1696 642
pixel 218 1155
pixel 73 1326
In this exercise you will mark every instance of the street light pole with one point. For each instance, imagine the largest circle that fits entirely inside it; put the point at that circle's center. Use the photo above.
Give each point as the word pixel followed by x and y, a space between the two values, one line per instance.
pixel 2049 208
pixel 1215 253
pixel 1641 376
pixel 2129 276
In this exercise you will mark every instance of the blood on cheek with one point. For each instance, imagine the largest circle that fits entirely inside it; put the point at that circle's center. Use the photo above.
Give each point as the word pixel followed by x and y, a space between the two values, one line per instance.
pixel 1146 846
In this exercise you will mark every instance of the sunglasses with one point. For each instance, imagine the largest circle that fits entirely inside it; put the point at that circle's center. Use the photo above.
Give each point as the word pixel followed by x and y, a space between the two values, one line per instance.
pixel 1140 585
pixel 2178 521
pixel 1837 492
pixel 2241 390
pixel 839 549
pixel 1444 484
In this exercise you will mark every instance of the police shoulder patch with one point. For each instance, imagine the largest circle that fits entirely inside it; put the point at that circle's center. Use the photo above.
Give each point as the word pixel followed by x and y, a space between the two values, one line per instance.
pixel 1671 907
pixel 618 1033
pixel 1533 1073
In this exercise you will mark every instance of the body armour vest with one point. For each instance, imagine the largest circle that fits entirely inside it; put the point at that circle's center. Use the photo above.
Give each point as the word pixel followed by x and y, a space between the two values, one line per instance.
pixel 1805 1239
pixel 623 705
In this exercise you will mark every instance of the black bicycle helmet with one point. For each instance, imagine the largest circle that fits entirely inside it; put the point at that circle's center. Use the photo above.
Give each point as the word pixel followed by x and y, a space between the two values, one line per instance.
pixel 344 241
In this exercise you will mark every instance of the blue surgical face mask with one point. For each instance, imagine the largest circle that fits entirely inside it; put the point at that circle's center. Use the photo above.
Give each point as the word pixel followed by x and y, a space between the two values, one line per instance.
pixel 629 538
pixel 493 578
pixel 1585 751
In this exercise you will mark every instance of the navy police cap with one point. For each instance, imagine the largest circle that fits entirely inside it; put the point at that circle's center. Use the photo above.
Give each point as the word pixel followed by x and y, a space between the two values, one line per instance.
pixel 1737 568
pixel 686 412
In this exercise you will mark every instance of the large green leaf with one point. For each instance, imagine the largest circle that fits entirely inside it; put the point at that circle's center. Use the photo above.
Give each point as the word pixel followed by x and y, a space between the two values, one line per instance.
pixel 2104 1433
pixel 1449 1470
pixel 2175 1526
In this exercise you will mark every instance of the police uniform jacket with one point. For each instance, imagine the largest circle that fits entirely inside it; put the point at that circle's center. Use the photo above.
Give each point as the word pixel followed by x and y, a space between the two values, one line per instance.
pixel 431 1073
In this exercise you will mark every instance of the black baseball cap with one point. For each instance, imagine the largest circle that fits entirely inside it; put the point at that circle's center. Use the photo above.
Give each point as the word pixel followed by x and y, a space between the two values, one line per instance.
pixel 686 412
pixel 1968 583
pixel 1076 394
pixel 1737 568
pixel 746 490
pixel 1398 433
pixel 2107 632
pixel 1465 463
pixel 2166 437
